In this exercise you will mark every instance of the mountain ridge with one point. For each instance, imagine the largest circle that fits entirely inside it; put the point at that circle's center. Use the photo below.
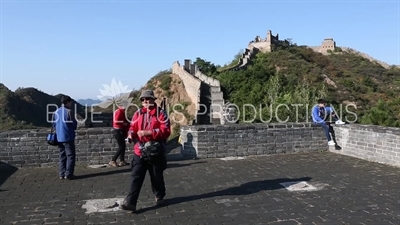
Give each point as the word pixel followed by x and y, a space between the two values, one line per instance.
pixel 88 101
pixel 29 108
pixel 346 77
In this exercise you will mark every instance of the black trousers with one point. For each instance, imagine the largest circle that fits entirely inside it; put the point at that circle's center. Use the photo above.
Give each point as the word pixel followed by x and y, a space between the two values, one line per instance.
pixel 139 168
pixel 120 137
pixel 329 132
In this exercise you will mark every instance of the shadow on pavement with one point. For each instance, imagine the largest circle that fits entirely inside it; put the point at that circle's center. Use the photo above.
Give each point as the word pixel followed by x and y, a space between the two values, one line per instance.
pixel 174 165
pixel 244 189
pixel 105 173
pixel 128 170
pixel 6 171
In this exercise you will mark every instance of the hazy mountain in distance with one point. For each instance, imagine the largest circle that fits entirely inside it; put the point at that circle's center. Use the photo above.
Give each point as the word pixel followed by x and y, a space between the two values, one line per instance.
pixel 88 101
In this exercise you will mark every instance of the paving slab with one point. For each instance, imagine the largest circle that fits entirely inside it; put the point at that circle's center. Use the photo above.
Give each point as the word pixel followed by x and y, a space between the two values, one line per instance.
pixel 309 188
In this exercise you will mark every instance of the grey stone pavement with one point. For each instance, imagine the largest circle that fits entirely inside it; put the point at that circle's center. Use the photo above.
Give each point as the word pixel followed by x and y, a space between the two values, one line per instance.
pixel 247 191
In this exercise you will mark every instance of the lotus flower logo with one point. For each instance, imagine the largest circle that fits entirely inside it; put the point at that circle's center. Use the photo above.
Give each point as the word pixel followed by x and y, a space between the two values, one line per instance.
pixel 114 94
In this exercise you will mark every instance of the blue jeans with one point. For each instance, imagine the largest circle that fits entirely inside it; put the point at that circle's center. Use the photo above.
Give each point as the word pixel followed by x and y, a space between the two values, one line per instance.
pixel 67 158
pixel 327 129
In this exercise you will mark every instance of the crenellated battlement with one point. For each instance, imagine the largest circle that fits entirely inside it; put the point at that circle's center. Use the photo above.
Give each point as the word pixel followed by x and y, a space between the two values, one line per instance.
pixel 264 45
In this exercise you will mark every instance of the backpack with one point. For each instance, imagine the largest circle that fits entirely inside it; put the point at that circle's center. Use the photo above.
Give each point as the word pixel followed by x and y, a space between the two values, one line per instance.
pixel 152 150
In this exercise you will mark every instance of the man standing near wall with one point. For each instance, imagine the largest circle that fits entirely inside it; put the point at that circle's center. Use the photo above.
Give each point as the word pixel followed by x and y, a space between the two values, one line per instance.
pixel 65 125
pixel 320 115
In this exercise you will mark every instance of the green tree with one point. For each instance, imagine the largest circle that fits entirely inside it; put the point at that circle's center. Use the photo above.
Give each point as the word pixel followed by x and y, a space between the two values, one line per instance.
pixel 205 67
pixel 381 115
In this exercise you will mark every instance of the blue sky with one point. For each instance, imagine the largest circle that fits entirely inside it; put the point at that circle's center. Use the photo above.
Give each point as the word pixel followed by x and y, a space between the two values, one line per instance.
pixel 74 47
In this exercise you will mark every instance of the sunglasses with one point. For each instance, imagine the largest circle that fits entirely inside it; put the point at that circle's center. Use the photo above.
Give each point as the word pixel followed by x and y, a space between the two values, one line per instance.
pixel 147 99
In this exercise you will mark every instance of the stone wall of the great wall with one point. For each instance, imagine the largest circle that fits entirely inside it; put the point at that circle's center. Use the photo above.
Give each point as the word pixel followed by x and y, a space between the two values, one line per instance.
pixel 28 148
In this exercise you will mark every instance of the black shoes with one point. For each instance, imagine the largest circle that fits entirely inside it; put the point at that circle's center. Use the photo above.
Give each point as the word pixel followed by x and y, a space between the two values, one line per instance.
pixel 337 147
pixel 128 207
pixel 132 208
pixel 159 201
pixel 71 177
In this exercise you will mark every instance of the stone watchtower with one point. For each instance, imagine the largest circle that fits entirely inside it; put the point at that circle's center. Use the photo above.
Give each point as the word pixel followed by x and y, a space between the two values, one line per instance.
pixel 328 44
pixel 271 38
pixel 263 45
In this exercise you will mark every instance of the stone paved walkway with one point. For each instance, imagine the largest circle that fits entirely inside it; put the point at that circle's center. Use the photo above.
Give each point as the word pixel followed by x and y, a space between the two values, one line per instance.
pixel 248 191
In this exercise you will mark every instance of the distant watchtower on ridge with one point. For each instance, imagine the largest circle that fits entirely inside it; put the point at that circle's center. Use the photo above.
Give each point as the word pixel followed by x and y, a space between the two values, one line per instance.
pixel 328 44
pixel 264 45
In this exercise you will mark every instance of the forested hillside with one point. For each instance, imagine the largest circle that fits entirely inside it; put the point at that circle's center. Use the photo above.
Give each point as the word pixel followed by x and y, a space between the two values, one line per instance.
pixel 294 74
pixel 28 108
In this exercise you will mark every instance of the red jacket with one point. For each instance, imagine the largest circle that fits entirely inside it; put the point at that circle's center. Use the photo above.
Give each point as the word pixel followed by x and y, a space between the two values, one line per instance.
pixel 120 121
pixel 155 120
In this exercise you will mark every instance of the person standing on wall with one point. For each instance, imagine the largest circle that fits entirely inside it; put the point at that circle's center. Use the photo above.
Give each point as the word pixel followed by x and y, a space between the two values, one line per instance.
pixel 65 125
pixel 320 115
pixel 150 126
pixel 120 132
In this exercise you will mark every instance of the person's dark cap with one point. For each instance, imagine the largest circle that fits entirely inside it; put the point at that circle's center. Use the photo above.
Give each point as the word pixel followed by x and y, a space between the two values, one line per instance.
pixel 147 94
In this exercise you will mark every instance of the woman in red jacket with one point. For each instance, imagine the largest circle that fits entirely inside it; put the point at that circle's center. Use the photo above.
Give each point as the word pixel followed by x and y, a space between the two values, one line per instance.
pixel 149 124
pixel 121 127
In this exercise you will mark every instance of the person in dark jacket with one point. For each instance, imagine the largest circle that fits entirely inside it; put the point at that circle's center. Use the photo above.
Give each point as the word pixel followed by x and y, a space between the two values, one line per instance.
pixel 149 124
pixel 65 124
pixel 121 127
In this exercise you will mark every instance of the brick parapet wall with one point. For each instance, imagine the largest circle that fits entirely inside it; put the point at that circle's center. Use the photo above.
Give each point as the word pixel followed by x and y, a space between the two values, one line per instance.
pixel 369 142
pixel 214 141
pixel 28 148
pixel 206 79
